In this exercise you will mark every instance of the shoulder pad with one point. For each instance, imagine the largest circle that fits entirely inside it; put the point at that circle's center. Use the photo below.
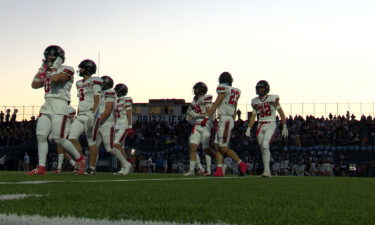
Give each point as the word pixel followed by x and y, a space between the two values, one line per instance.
pixel 68 70
pixel 221 88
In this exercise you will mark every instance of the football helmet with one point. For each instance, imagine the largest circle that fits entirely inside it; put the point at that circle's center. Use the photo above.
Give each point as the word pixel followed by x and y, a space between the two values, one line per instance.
pixel 226 78
pixel 200 88
pixel 121 90
pixel 262 88
pixel 51 53
pixel 107 82
pixel 87 67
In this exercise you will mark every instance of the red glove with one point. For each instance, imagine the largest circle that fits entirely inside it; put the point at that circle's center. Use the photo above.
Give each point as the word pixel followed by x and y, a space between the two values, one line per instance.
pixel 130 132
pixel 204 121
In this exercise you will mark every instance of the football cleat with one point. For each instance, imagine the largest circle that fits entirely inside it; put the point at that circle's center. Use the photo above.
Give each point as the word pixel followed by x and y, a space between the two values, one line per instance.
pixel 219 172
pixel 243 168
pixel 40 170
pixel 266 175
pixel 189 173
pixel 90 171
pixel 207 173
pixel 56 171
pixel 81 165
pixel 123 171
pixel 200 172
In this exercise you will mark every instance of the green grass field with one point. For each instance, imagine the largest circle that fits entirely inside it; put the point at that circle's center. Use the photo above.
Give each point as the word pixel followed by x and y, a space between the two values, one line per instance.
pixel 173 198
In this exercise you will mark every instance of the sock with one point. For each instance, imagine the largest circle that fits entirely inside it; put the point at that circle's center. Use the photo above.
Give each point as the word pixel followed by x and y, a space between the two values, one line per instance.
pixel 42 149
pixel 119 156
pixel 192 165
pixel 72 162
pixel 198 165
pixel 69 147
pixel 60 160
pixel 92 167
pixel 266 159
pixel 208 163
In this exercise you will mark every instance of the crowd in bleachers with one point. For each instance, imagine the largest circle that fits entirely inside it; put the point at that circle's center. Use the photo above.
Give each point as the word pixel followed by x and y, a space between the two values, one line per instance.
pixel 336 145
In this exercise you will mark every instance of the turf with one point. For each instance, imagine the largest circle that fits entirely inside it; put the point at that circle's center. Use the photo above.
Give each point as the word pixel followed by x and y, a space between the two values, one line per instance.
pixel 245 200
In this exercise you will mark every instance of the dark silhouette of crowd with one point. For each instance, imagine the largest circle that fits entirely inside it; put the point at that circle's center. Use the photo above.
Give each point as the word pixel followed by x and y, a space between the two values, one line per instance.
pixel 333 145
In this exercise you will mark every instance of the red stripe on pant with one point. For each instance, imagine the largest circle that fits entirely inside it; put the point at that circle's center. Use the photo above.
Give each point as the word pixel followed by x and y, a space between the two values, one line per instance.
pixel 260 126
pixel 226 131
pixel 123 136
pixel 111 137
pixel 193 129
pixel 63 124
pixel 96 128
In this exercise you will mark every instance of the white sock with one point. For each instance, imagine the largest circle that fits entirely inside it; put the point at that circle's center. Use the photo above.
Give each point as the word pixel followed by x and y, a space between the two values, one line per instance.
pixel 120 157
pixel 69 147
pixel 198 165
pixel 266 159
pixel 72 162
pixel 208 163
pixel 42 149
pixel 192 165
pixel 60 159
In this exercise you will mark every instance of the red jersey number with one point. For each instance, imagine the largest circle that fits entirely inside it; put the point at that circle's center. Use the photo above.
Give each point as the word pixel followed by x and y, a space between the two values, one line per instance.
pixel 81 95
pixel 235 95
pixel 265 110
pixel 47 85
pixel 197 109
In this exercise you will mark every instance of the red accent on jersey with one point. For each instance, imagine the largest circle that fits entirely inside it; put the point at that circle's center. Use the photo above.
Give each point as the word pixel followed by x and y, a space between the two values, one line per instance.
pixel 68 72
pixel 220 88
pixel 235 95
pixel 109 93
pixel 208 98
pixel 129 101
pixel 97 82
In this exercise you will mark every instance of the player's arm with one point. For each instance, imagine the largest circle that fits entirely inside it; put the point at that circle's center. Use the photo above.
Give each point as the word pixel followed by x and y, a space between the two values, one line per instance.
pixel 235 114
pixel 65 75
pixel 37 81
pixel 281 113
pixel 97 90
pixel 107 111
pixel 129 115
pixel 252 119
pixel 217 103
pixel 284 132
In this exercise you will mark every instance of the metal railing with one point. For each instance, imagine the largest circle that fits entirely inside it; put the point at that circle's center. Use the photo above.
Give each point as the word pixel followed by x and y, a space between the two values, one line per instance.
pixel 303 109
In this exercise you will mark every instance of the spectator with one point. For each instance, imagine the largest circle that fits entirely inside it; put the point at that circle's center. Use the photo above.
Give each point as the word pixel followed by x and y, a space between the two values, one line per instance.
pixel 14 115
pixel 7 116
pixel 26 161
pixel 1 116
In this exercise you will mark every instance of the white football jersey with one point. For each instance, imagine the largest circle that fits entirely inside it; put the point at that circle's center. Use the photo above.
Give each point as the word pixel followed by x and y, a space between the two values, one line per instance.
pixel 200 105
pixel 266 109
pixel 124 103
pixel 61 90
pixel 232 94
pixel 107 96
pixel 72 112
pixel 86 90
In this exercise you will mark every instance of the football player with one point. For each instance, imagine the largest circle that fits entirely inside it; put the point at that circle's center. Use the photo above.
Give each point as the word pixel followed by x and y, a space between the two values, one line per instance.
pixel 226 105
pixel 265 107
pixel 107 127
pixel 88 91
pixel 123 114
pixel 57 80
pixel 201 103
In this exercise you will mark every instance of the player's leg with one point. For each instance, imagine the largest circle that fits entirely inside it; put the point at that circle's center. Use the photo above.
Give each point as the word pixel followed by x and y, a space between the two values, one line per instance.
pixel 206 135
pixel 107 133
pixel 220 169
pixel 60 158
pixel 198 164
pixel 225 129
pixel 43 129
pixel 194 141
pixel 119 139
pixel 58 123
pixel 92 135
pixel 76 129
pixel 268 134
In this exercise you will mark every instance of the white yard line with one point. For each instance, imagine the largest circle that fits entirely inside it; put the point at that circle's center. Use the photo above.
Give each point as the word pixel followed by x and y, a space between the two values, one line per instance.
pixel 13 219
pixel 17 196
pixel 128 180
